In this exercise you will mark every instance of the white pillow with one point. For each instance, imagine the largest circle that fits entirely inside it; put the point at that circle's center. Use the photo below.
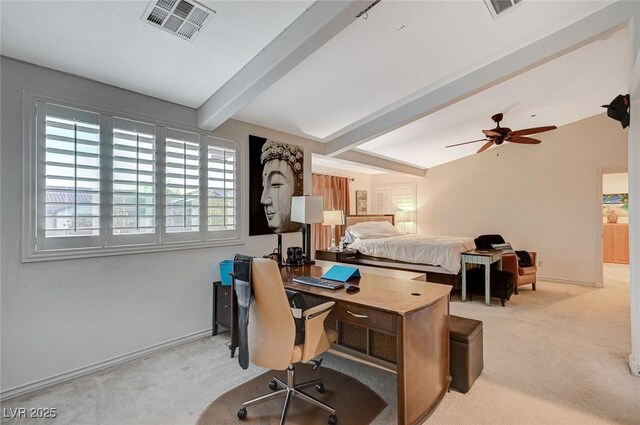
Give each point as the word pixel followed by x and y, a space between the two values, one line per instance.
pixel 348 237
pixel 504 247
pixel 373 230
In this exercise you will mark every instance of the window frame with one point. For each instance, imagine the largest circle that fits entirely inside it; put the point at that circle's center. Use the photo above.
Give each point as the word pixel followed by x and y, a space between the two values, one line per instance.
pixel 33 170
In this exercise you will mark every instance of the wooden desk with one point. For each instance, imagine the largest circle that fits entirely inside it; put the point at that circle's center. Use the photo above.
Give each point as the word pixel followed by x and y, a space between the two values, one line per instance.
pixel 415 313
pixel 483 257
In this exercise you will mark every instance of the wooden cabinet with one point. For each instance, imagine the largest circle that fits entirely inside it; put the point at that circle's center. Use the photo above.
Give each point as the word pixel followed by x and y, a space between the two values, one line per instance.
pixel 615 243
pixel 621 244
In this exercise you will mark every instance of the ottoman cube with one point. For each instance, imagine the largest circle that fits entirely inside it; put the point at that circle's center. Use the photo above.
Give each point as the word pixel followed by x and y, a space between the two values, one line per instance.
pixel 501 284
pixel 465 351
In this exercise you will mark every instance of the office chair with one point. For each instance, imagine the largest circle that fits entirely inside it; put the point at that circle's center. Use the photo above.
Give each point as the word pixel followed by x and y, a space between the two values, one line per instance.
pixel 271 337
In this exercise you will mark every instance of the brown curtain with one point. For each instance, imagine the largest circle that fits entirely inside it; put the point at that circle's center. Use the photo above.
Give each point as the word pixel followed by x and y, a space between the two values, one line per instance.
pixel 335 191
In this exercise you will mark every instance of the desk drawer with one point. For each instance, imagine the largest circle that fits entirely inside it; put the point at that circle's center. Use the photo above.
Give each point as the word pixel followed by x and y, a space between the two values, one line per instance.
pixel 223 311
pixel 363 316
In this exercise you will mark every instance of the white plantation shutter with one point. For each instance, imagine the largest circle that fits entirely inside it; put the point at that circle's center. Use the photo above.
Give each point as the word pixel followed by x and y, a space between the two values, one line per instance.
pixel 182 185
pixel 97 184
pixel 398 199
pixel 68 186
pixel 384 201
pixel 222 188
pixel 134 182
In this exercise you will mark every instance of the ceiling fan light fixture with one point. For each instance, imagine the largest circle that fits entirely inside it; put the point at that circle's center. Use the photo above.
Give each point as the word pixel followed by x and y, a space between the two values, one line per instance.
pixel 498 135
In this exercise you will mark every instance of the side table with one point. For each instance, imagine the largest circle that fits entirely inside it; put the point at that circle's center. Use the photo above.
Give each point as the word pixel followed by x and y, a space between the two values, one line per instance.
pixel 485 258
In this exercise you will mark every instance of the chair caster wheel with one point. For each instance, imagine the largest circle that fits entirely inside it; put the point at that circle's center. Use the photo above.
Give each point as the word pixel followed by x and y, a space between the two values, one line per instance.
pixel 242 413
pixel 320 389
pixel 273 385
pixel 333 420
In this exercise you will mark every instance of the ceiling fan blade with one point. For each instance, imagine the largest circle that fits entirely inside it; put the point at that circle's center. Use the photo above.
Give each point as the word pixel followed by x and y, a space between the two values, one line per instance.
pixel 524 140
pixel 466 143
pixel 485 146
pixel 533 130
pixel 491 133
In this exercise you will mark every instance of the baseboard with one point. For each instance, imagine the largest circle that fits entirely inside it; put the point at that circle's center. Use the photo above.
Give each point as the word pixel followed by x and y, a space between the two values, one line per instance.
pixel 63 377
pixel 559 280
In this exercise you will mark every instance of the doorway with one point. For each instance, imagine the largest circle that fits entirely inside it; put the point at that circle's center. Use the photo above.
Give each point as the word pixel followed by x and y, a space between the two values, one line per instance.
pixel 615 224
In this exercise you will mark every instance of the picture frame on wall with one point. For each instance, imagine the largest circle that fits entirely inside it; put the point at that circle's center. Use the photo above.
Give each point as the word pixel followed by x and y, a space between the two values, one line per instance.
pixel 361 202
pixel 276 173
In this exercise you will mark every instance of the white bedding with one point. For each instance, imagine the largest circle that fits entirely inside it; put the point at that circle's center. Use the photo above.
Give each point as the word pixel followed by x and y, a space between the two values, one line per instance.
pixel 443 251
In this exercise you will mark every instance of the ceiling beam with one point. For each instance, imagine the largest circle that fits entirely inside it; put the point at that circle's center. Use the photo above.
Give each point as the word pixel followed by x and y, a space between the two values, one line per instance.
pixel 310 31
pixel 383 164
pixel 573 36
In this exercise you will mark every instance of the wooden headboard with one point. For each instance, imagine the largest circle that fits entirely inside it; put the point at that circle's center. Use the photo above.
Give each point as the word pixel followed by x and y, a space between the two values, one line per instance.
pixel 350 220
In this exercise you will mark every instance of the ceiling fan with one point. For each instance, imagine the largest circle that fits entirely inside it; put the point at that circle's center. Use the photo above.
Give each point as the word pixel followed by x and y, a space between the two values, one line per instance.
pixel 499 135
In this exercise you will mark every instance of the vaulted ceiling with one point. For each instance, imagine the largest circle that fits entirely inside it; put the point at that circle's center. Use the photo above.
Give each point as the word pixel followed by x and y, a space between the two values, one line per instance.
pixel 401 82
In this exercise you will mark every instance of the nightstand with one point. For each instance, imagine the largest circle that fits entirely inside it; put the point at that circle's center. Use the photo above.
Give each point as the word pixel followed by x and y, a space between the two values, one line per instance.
pixel 221 307
pixel 336 256
pixel 225 312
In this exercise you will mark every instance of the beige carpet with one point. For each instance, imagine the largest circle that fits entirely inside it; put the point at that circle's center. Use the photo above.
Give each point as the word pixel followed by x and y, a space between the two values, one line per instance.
pixel 555 356
pixel 359 408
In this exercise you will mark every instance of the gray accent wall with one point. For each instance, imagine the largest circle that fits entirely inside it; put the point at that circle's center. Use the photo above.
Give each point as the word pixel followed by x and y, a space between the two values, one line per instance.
pixel 67 317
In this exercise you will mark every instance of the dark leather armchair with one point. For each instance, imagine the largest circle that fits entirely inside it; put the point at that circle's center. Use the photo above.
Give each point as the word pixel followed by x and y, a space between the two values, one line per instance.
pixel 522 274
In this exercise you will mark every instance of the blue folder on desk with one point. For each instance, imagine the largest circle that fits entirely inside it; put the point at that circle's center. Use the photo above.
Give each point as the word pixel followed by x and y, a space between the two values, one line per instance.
pixel 341 273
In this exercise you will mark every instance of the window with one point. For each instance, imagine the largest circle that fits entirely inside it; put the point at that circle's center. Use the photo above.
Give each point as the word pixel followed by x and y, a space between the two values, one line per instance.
pixel 182 185
pixel 99 184
pixel 133 200
pixel 398 199
pixel 221 187
pixel 69 166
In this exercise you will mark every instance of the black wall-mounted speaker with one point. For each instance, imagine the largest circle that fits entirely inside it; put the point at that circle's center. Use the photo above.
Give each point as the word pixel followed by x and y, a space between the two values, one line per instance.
pixel 618 109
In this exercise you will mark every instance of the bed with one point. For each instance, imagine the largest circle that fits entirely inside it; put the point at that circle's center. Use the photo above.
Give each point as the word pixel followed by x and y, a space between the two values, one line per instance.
pixel 437 256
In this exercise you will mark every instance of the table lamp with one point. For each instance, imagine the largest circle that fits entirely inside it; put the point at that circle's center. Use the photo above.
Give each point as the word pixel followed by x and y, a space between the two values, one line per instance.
pixel 333 218
pixel 402 217
pixel 307 210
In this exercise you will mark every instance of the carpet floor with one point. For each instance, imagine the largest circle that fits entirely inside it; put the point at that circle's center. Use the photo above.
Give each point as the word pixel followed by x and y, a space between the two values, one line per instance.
pixel 555 356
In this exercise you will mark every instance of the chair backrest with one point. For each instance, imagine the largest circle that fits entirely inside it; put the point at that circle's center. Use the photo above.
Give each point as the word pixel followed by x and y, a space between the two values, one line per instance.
pixel 272 329
pixel 485 241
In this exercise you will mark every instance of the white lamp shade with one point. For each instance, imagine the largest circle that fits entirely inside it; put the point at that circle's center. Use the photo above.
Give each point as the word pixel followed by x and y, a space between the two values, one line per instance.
pixel 307 209
pixel 334 217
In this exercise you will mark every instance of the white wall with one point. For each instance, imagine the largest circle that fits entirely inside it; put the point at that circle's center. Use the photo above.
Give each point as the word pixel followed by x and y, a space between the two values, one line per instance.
pixel 61 316
pixel 615 183
pixel 361 181
pixel 541 197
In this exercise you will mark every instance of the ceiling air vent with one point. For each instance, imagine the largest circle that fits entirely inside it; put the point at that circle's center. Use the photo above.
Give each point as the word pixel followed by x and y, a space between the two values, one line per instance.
pixel 496 7
pixel 182 18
